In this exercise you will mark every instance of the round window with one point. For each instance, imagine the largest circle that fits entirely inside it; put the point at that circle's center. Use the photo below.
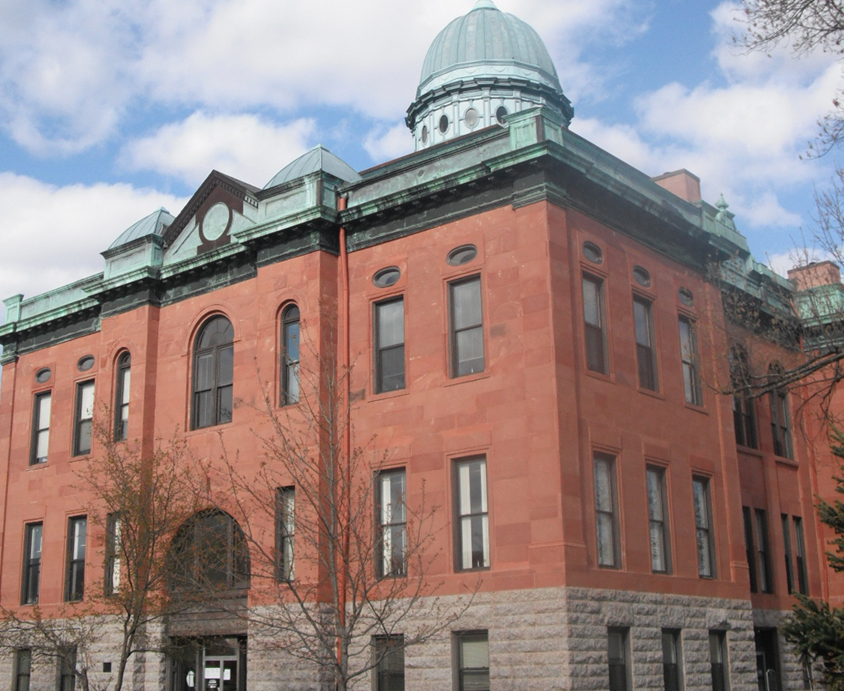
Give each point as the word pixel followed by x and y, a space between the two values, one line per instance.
pixel 386 277
pixel 641 276
pixel 462 255
pixel 444 124
pixel 43 375
pixel 85 363
pixel 500 114
pixel 471 117
pixel 593 253
pixel 686 297
pixel 424 134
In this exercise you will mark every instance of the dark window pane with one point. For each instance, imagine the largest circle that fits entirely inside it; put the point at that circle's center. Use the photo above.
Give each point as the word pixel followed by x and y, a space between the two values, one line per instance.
pixel 470 351
pixel 224 405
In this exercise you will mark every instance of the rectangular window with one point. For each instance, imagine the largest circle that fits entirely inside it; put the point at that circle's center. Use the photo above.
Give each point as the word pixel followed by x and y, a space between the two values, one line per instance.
pixel 763 552
pixel 749 548
pixel 467 330
pixel 31 563
pixel 121 398
pixel 744 421
pixel 389 663
pixel 689 355
pixel 672 660
pixel 606 512
pixel 473 661
pixel 703 526
pixel 23 669
pixel 67 669
pixel 472 522
pixel 658 517
pixel 789 553
pixel 83 421
pixel 593 323
pixel 75 577
pixel 392 523
pixel 40 429
pixel 618 654
pixel 114 526
pixel 645 351
pixel 718 661
pixel 285 529
pixel 389 345
pixel 781 424
pixel 800 553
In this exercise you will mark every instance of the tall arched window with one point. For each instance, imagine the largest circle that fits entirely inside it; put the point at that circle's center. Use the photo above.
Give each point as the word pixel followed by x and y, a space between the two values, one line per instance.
pixel 213 365
pixel 121 397
pixel 290 355
pixel 780 414
pixel 209 551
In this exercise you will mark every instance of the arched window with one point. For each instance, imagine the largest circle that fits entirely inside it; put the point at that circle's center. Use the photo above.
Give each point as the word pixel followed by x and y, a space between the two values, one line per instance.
pixel 290 355
pixel 780 414
pixel 744 406
pixel 121 397
pixel 213 365
pixel 209 551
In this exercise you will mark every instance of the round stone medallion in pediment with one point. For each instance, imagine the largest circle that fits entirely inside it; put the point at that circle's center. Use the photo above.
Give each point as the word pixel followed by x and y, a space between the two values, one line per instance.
pixel 216 222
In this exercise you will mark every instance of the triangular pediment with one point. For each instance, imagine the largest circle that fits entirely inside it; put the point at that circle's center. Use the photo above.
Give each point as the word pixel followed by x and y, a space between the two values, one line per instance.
pixel 218 207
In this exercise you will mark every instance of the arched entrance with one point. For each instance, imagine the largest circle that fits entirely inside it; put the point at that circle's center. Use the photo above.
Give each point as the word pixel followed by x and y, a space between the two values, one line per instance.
pixel 210 570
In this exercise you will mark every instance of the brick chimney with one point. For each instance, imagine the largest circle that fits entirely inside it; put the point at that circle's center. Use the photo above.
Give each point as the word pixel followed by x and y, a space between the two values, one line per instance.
pixel 815 274
pixel 681 182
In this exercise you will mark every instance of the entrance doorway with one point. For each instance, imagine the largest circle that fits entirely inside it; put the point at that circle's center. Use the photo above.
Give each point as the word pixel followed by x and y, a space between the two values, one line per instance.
pixel 208 664
pixel 767 664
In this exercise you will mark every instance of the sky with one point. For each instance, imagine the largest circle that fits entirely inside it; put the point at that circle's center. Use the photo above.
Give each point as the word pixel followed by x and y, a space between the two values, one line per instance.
pixel 110 109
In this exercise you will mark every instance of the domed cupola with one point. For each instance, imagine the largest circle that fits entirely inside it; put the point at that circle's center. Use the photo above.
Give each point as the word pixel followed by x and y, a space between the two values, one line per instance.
pixel 479 69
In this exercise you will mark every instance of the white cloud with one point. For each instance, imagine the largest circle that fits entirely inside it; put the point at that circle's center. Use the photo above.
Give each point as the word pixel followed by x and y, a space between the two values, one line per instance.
pixel 70 70
pixel 385 143
pixel 246 147
pixel 54 235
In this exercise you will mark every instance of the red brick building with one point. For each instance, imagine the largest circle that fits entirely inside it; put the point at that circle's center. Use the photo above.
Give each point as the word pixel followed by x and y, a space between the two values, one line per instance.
pixel 536 342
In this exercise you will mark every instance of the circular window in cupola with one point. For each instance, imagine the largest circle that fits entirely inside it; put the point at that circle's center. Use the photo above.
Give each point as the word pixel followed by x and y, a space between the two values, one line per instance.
pixel 424 134
pixel 444 124
pixel 501 114
pixel 85 363
pixel 471 118
pixel 43 375
pixel 686 297
pixel 386 277
pixel 462 255
pixel 593 253
pixel 642 276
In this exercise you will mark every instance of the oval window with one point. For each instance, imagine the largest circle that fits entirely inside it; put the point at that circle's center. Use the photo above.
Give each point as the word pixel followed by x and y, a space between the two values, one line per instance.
pixel 686 297
pixel 471 117
pixel 500 114
pixel 85 363
pixel 462 255
pixel 641 276
pixel 593 253
pixel 424 134
pixel 444 124
pixel 43 375
pixel 386 277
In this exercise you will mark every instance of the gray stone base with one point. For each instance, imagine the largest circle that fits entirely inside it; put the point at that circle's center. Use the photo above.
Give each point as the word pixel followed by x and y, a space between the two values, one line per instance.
pixel 539 640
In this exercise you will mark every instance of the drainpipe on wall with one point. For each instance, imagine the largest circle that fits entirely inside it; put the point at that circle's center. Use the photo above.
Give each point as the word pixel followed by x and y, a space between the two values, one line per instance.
pixel 345 358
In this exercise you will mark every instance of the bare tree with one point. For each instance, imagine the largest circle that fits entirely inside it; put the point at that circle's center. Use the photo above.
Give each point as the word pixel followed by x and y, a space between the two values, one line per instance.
pixel 138 501
pixel 340 554
pixel 804 26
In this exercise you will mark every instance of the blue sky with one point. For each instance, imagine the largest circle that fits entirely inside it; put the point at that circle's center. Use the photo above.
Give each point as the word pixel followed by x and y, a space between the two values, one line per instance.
pixel 110 109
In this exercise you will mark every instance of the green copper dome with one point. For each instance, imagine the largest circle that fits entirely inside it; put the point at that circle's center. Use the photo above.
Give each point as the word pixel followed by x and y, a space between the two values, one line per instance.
pixel 487 42
pixel 483 67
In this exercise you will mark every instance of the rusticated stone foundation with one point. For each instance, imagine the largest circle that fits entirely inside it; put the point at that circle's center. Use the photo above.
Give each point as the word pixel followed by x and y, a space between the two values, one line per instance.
pixel 539 640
